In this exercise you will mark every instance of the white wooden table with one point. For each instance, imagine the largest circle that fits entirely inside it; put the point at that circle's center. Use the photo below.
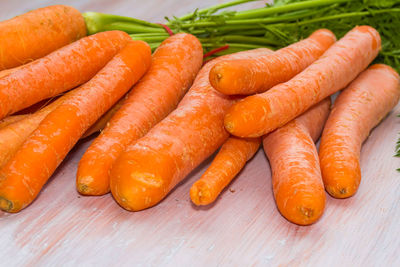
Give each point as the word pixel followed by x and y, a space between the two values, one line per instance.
pixel 243 228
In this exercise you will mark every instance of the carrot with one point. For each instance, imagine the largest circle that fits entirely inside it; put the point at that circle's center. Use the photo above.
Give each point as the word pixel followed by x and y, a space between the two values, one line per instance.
pixel 174 67
pixel 250 76
pixel 358 109
pixel 14 130
pixel 101 123
pixel 8 71
pixel 23 176
pixel 151 166
pixel 262 113
pixel 231 158
pixel 11 119
pixel 296 175
pixel 13 136
pixel 37 33
pixel 59 71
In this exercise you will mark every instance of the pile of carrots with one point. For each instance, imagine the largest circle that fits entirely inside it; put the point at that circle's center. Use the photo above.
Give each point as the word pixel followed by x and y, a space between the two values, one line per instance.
pixel 161 115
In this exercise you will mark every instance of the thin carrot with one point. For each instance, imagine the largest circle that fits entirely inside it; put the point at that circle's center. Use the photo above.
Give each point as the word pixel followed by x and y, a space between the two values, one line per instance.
pixel 231 158
pixel 296 175
pixel 14 130
pixel 150 167
pixel 102 122
pixel 174 66
pixel 37 33
pixel 14 135
pixel 23 176
pixel 358 109
pixel 11 119
pixel 257 75
pixel 262 113
pixel 59 71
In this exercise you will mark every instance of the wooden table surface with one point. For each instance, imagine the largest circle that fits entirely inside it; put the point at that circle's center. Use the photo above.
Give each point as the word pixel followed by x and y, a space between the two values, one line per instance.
pixel 243 228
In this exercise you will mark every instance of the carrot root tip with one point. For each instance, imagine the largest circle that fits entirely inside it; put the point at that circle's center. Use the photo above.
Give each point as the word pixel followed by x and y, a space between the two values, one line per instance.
pixel 5 204
pixel 308 212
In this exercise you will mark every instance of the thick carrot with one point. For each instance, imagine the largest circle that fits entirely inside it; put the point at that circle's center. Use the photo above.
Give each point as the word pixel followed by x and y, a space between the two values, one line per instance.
pixel 257 75
pixel 174 66
pixel 262 113
pixel 150 167
pixel 359 108
pixel 23 176
pixel 231 158
pixel 37 33
pixel 59 71
pixel 296 175
pixel 11 119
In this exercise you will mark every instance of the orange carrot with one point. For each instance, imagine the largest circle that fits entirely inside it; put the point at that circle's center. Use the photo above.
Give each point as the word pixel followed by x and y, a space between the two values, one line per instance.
pixel 14 130
pixel 296 175
pixel 231 158
pixel 8 71
pixel 59 71
pixel 174 67
pixel 13 136
pixel 150 167
pixel 257 75
pixel 11 119
pixel 101 123
pixel 37 33
pixel 358 109
pixel 23 176
pixel 338 66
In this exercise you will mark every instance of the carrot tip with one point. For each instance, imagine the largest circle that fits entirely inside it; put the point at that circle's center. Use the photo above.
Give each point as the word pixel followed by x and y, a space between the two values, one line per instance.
pixel 308 212
pixel 83 188
pixel 5 204
pixel 200 194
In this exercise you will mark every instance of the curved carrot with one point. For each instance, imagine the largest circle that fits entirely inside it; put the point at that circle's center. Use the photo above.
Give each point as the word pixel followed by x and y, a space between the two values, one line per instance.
pixel 174 67
pixel 150 167
pixel 359 108
pixel 231 158
pixel 257 75
pixel 296 175
pixel 23 176
pixel 338 66
pixel 37 33
pixel 59 71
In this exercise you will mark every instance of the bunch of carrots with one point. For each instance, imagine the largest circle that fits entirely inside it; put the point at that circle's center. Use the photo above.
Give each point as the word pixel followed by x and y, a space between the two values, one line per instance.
pixel 162 114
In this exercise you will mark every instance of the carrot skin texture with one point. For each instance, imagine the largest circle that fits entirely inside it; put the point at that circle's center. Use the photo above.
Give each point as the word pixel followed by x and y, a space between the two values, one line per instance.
pixel 296 176
pixel 174 66
pixel 11 119
pixel 59 71
pixel 23 176
pixel 150 167
pixel 262 113
pixel 231 158
pixel 37 33
pixel 250 76
pixel 356 111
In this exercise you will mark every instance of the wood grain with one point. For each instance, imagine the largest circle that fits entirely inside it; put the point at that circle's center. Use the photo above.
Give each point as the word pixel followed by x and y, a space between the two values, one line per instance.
pixel 243 228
